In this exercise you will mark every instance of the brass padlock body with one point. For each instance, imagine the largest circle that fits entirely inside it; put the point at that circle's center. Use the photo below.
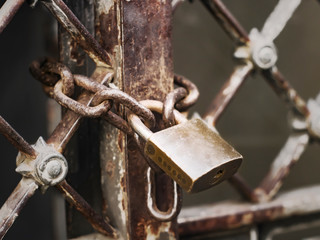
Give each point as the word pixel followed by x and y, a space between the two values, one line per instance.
pixel 194 155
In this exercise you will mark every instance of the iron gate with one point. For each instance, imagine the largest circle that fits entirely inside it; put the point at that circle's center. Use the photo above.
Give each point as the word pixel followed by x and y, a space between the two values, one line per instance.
pixel 123 29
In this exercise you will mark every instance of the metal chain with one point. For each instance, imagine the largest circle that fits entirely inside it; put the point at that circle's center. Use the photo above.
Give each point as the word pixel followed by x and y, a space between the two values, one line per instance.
pixel 181 98
pixel 59 83
pixel 48 72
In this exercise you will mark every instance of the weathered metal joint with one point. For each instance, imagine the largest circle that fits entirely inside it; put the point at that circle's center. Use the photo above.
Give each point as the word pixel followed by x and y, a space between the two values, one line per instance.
pixel 78 32
pixel 263 51
pixel 260 50
pixel 48 169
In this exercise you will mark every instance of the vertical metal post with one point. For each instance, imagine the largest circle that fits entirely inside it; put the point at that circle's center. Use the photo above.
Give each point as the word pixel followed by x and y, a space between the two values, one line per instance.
pixel 147 74
pixel 138 33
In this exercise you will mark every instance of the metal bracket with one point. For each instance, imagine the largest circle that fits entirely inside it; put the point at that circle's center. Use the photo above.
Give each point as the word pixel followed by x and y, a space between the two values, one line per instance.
pixel 48 169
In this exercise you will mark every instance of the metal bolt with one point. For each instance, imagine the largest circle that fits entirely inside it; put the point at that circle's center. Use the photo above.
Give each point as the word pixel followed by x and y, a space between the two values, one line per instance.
pixel 49 168
pixel 54 168
pixel 266 55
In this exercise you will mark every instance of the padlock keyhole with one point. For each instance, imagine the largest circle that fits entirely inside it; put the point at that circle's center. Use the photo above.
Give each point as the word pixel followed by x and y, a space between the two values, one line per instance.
pixel 219 174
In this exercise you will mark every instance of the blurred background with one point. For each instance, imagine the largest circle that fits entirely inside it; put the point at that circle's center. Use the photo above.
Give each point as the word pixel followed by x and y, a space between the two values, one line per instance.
pixel 255 123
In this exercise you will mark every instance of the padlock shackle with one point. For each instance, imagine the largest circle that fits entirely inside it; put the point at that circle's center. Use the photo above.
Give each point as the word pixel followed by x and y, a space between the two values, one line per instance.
pixel 157 106
pixel 140 128
pixel 172 212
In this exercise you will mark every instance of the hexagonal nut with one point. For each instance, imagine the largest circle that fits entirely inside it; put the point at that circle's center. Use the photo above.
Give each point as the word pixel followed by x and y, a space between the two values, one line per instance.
pixel 263 51
pixel 265 56
pixel 52 169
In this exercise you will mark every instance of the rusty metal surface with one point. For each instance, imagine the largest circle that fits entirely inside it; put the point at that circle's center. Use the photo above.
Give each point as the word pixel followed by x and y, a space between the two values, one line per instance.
pixel 15 139
pixel 112 141
pixel 230 215
pixel 280 168
pixel 147 74
pixel 7 12
pixel 119 97
pixel 227 92
pixel 10 210
pixel 49 72
pixel 118 122
pixel 228 22
pixel 71 120
pixel 283 88
pixel 84 175
pixel 78 31
pixel 77 107
pixel 86 210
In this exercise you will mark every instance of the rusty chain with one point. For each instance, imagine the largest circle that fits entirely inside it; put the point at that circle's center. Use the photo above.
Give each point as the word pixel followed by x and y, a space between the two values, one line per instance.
pixel 58 82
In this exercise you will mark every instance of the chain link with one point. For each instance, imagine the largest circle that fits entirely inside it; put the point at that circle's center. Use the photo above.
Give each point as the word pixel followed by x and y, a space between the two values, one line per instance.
pixel 181 98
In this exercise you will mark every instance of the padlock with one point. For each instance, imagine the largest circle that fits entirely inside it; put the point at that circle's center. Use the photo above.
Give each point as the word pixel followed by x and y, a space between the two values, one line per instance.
pixel 191 153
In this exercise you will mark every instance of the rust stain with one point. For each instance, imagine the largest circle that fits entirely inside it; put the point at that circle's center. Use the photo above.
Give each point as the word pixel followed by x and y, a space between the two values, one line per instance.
pixel 15 203
pixel 123 204
pixel 140 231
pixel 120 141
pixel 284 89
pixel 15 139
pixel 230 221
pixel 155 227
pixel 107 25
pixel 76 54
pixel 110 167
pixel 123 185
